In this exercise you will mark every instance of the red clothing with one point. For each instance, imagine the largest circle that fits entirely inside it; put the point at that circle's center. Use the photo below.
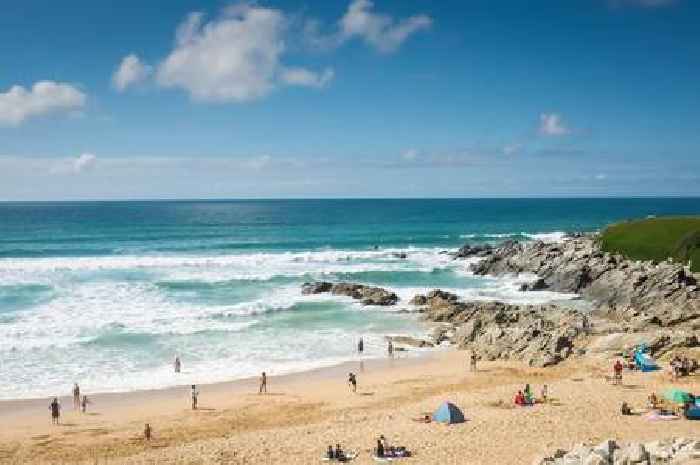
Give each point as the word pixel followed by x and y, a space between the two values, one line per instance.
pixel 519 399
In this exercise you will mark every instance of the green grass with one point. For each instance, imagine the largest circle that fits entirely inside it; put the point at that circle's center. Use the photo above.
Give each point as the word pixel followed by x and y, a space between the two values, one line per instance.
pixel 656 239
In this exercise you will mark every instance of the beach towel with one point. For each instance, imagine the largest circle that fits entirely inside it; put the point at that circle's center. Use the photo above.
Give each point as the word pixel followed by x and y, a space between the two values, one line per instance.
pixel 654 416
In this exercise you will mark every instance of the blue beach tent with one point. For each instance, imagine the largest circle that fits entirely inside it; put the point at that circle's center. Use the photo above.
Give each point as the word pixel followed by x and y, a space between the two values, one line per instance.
pixel 448 413
pixel 643 360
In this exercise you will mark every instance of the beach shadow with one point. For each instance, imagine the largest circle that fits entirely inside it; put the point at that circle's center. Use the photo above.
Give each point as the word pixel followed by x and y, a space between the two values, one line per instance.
pixel 93 414
pixel 365 393
pixel 68 424
pixel 206 409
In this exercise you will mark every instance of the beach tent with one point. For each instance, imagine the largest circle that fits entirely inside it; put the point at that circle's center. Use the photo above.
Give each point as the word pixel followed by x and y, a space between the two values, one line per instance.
pixel 448 413
pixel 643 360
pixel 677 396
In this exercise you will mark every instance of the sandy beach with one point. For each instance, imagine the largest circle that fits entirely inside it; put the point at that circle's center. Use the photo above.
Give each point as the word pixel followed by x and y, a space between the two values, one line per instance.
pixel 304 413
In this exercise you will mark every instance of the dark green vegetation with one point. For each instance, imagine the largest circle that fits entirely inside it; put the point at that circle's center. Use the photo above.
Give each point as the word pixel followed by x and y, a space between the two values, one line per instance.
pixel 656 239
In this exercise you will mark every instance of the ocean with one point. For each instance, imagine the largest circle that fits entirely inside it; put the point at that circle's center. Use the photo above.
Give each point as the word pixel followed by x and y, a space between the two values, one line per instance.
pixel 106 294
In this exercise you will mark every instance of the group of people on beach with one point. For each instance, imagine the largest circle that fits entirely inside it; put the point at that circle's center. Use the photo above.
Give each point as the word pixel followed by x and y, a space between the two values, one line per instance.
pixel 389 347
pixel 525 396
pixel 682 366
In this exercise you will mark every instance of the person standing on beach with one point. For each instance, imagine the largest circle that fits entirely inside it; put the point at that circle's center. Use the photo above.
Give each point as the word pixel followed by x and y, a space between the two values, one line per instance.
pixel 360 346
pixel 147 432
pixel 352 381
pixel 76 396
pixel 178 364
pixel 263 383
pixel 390 349
pixel 195 396
pixel 84 403
pixel 472 361
pixel 55 408
pixel 545 393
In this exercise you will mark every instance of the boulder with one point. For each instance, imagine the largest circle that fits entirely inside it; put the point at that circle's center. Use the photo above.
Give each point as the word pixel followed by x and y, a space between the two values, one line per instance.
pixel 317 287
pixel 369 295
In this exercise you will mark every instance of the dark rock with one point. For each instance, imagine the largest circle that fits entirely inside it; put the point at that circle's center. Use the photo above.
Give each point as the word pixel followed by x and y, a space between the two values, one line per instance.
pixel 369 295
pixel 317 287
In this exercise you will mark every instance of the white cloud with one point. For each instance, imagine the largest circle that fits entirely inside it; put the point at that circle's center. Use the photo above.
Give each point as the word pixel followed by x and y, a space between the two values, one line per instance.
pixel 601 177
pixel 379 30
pixel 74 165
pixel 45 97
pixel 304 77
pixel 258 163
pixel 131 71
pixel 551 124
pixel 233 58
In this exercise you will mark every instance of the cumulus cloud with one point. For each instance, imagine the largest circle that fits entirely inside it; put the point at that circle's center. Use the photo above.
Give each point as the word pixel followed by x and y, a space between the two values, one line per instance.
pixel 379 30
pixel 131 71
pixel 233 58
pixel 45 97
pixel 304 77
pixel 551 124
pixel 74 165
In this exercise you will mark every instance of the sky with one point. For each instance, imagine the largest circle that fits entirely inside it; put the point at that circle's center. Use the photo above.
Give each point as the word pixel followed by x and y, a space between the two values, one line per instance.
pixel 349 98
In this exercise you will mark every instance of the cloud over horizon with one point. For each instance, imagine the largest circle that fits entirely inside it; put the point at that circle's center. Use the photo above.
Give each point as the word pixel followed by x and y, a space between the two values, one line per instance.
pixel 19 104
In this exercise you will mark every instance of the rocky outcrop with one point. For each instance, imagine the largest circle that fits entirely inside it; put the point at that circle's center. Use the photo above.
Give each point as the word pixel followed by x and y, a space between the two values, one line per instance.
pixel 541 335
pixel 369 295
pixel 610 452
pixel 468 250
pixel 638 293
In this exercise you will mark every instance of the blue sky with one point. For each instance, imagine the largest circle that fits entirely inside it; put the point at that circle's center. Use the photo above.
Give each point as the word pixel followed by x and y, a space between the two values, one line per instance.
pixel 352 98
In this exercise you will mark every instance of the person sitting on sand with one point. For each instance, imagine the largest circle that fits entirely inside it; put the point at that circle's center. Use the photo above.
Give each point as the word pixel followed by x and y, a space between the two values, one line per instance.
pixel 653 401
pixel 520 399
pixel 352 382
pixel 147 432
pixel 625 409
pixel 339 454
pixel 380 449
pixel 329 453
pixel 55 407
pixel 263 383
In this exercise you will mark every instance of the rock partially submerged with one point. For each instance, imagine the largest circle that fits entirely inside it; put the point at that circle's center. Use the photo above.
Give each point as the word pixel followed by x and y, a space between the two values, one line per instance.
pixel 468 250
pixel 409 341
pixel 610 452
pixel 541 335
pixel 638 293
pixel 369 295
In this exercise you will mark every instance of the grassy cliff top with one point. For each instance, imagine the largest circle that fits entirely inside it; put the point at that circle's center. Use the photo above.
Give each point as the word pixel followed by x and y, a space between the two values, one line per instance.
pixel 656 239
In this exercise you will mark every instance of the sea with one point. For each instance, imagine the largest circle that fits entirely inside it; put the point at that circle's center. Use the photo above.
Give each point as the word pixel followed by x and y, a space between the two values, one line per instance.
pixel 107 294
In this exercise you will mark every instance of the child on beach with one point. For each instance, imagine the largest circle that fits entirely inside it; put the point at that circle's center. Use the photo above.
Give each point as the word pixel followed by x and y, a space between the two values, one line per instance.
pixel 84 403
pixel 55 407
pixel 352 382
pixel 263 383
pixel 617 372
pixel 195 396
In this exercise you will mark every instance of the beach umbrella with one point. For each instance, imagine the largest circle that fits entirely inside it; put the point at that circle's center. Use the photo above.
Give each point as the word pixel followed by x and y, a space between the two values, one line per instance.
pixel 677 396
pixel 448 413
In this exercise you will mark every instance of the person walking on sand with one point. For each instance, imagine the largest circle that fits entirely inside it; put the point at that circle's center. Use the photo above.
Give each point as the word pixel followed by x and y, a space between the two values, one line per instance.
pixel 544 393
pixel 472 362
pixel 76 396
pixel 360 346
pixel 263 383
pixel 195 396
pixel 147 432
pixel 55 407
pixel 177 364
pixel 617 372
pixel 352 381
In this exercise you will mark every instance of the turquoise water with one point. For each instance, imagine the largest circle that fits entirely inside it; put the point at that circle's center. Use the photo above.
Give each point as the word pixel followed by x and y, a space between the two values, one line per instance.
pixel 106 294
